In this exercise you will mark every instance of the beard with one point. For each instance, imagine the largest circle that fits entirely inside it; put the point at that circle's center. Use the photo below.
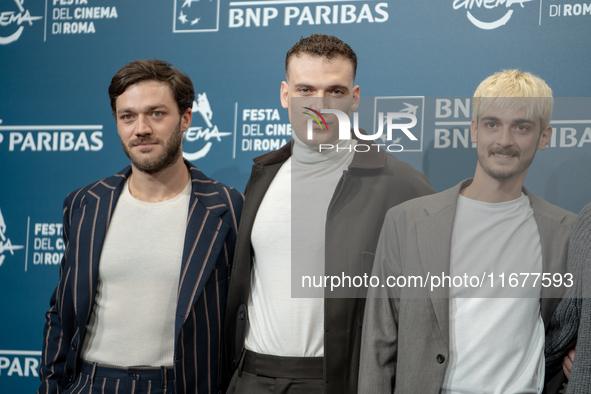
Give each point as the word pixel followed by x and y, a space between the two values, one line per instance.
pixel 171 151
pixel 502 175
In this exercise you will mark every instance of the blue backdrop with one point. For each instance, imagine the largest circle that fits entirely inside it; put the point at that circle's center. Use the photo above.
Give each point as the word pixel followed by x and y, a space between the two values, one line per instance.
pixel 57 132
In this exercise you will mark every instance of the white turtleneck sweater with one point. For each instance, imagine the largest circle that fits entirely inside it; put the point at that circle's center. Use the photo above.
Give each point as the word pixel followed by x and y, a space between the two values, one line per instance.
pixel 289 231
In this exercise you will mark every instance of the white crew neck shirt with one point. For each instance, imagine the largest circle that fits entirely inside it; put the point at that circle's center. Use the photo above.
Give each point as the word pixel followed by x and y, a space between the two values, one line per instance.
pixel 133 319
pixel 496 344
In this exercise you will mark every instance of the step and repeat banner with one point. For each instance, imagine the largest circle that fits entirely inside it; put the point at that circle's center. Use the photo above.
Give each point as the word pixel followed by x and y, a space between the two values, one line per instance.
pixel 425 57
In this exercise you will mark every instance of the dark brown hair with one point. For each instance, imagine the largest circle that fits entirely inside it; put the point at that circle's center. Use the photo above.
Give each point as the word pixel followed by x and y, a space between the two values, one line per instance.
pixel 322 45
pixel 158 70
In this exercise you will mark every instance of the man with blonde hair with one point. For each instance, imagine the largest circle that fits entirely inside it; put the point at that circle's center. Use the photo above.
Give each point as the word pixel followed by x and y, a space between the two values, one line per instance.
pixel 467 330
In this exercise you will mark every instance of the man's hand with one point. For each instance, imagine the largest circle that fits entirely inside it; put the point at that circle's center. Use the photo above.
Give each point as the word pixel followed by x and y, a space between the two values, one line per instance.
pixel 567 363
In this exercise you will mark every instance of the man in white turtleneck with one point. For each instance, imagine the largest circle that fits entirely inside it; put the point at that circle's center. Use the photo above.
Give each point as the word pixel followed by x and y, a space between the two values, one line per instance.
pixel 314 209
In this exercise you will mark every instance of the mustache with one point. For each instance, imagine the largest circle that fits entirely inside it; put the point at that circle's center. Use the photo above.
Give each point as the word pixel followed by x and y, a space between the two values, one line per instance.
pixel 503 151
pixel 143 140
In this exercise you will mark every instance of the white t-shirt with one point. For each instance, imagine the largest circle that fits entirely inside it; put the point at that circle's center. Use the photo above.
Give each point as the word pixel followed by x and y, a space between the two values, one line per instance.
pixel 496 344
pixel 132 322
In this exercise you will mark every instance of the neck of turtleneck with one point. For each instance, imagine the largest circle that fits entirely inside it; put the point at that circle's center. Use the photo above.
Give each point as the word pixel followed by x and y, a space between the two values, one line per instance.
pixel 341 153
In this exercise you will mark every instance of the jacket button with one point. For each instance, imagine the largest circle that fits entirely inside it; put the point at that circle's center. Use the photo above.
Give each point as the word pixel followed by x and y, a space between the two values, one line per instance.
pixel 74 346
pixel 241 315
pixel 70 379
pixel 440 358
pixel 234 363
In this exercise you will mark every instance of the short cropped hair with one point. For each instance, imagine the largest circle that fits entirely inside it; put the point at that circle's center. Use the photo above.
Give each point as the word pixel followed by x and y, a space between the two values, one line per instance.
pixel 322 45
pixel 157 70
pixel 518 86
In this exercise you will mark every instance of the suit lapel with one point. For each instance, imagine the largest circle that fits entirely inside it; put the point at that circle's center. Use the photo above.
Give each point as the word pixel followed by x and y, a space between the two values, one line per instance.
pixel 549 222
pixel 434 243
pixel 205 237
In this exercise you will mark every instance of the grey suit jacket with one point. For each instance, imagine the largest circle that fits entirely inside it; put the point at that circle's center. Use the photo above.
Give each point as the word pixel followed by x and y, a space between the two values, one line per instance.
pixel 405 340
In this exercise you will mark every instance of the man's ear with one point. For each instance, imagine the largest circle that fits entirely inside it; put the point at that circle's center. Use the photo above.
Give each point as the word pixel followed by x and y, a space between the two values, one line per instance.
pixel 355 98
pixel 545 138
pixel 186 119
pixel 284 94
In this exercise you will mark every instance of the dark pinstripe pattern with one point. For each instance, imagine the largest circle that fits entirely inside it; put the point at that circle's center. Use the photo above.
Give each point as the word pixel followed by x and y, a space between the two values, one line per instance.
pixel 121 380
pixel 214 212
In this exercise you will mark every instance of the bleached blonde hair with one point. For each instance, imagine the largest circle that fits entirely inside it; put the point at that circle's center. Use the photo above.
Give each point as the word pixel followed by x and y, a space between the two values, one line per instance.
pixel 512 90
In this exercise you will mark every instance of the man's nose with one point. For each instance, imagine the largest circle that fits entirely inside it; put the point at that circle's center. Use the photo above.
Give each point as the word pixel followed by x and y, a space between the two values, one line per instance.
pixel 143 126
pixel 505 137
pixel 321 100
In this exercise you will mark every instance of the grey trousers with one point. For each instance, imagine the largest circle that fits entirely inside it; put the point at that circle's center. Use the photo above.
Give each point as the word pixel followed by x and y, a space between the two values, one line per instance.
pixel 265 374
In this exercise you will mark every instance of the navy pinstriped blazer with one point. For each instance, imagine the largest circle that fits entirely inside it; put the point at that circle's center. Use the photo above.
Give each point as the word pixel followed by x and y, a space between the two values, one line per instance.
pixel 214 212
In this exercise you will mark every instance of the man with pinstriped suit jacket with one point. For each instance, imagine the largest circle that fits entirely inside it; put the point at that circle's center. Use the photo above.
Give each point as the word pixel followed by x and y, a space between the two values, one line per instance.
pixel 142 291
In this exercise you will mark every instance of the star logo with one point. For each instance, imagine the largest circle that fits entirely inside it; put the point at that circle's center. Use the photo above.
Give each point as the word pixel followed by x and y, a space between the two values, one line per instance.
pixel 195 16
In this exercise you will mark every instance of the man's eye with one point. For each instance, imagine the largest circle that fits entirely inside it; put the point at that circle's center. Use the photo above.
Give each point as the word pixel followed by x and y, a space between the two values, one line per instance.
pixel 127 117
pixel 156 114
pixel 522 127
pixel 305 90
pixel 338 92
